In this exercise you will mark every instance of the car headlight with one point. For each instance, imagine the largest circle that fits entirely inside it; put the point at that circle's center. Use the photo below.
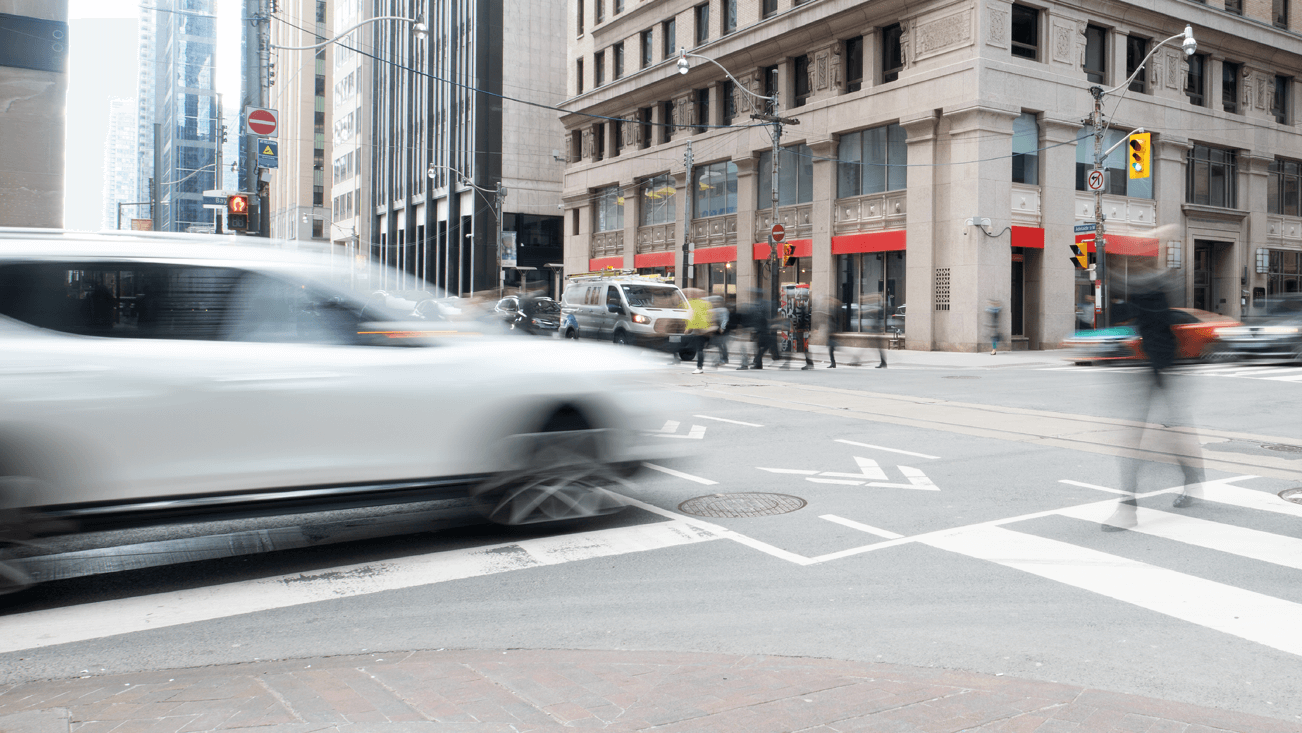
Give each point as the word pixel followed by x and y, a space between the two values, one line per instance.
pixel 1228 331
pixel 639 318
pixel 1280 330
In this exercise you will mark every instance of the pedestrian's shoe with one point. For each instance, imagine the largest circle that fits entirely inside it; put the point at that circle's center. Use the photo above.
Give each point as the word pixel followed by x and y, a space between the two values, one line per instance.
pixel 1184 500
pixel 881 366
pixel 806 367
pixel 698 371
pixel 1121 519
pixel 831 366
pixel 992 352
pixel 742 368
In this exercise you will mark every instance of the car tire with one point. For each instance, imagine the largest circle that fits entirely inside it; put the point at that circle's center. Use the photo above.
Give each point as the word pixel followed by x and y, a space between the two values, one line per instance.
pixel 621 338
pixel 16 525
pixel 562 476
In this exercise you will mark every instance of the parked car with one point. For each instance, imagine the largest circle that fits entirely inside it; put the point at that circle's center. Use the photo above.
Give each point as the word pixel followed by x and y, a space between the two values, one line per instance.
pixel 535 316
pixel 627 309
pixel 1195 336
pixel 1277 334
pixel 246 380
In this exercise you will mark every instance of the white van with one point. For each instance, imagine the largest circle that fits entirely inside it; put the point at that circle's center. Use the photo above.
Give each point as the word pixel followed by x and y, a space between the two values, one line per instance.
pixel 625 308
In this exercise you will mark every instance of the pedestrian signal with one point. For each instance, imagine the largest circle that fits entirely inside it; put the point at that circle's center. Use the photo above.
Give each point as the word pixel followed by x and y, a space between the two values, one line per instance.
pixel 1080 257
pixel 788 254
pixel 237 212
pixel 1141 154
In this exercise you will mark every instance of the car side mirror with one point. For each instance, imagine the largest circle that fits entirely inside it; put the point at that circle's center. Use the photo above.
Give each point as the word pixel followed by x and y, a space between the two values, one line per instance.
pixel 615 308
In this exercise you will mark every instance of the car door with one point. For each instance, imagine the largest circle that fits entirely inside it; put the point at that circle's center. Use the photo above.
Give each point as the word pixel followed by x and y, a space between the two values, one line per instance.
pixel 612 311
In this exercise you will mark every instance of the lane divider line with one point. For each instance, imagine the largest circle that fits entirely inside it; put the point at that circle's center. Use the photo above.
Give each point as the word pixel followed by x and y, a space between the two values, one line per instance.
pixel 866 529
pixel 889 450
pixel 734 422
pixel 680 474
pixel 1084 485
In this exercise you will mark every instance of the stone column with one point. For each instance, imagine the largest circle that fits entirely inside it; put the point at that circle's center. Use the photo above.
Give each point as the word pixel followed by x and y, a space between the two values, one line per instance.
pixel 632 198
pixel 920 235
pixel 823 276
pixel 1168 193
pixel 1056 317
pixel 980 265
pixel 681 184
pixel 1214 82
pixel 1255 172
pixel 745 266
pixel 578 244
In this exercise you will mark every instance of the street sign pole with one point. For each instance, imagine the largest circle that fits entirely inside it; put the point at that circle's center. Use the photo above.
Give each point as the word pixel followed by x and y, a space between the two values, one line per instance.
pixel 1100 241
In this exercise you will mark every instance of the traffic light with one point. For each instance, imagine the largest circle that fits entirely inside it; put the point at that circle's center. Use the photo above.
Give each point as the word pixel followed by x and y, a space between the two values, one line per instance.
pixel 237 212
pixel 1141 153
pixel 1080 257
pixel 788 254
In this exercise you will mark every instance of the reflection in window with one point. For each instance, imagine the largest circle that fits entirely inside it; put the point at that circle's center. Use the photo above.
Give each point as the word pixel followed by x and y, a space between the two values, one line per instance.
pixel 854 64
pixel 1230 86
pixel 658 201
pixel 1026 149
pixel 892 53
pixel 1196 80
pixel 1026 32
pixel 1096 41
pixel 608 205
pixel 1136 51
pixel 1116 180
pixel 795 177
pixel 714 190
pixel 872 161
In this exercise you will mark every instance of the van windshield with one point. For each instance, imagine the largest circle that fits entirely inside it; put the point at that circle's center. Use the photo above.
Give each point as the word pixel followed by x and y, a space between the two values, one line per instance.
pixel 654 296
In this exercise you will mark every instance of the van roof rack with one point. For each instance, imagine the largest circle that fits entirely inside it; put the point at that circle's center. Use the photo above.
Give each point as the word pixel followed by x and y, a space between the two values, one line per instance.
pixel 618 274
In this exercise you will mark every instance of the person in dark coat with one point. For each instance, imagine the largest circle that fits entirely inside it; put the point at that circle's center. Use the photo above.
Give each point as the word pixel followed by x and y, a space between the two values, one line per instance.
pixel 1149 310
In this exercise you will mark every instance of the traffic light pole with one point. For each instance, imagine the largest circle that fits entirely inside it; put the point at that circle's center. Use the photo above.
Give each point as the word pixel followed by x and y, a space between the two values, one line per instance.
pixel 687 219
pixel 1100 241
pixel 778 121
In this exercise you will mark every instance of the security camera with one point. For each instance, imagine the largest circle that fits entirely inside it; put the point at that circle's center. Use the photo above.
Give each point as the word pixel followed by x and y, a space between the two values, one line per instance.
pixel 1189 44
pixel 560 207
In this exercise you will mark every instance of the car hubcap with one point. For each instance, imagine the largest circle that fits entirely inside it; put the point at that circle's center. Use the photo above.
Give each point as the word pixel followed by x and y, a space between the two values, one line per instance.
pixel 563 478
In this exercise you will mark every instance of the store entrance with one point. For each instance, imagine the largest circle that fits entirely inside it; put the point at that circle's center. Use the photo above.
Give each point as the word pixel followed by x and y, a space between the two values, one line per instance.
pixel 1017 298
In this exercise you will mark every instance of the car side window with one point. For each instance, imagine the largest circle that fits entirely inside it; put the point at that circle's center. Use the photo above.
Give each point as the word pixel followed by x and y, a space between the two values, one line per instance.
pixel 612 295
pixel 268 309
pixel 123 300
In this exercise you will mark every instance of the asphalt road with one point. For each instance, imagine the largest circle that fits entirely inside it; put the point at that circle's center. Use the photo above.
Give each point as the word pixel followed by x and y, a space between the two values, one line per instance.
pixel 949 515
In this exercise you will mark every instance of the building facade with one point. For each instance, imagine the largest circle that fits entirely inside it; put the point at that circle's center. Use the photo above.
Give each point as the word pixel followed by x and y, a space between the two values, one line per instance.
pixel 145 100
pixel 121 170
pixel 33 118
pixel 442 125
pixel 916 123
pixel 299 190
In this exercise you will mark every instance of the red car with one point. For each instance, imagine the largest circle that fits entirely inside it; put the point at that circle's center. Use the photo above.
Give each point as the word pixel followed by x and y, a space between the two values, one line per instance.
pixel 1195 339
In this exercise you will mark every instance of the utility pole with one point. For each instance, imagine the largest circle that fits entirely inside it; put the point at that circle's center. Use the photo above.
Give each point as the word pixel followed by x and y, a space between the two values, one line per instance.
pixel 687 219
pixel 1100 242
pixel 217 171
pixel 778 121
pixel 256 56
pixel 500 200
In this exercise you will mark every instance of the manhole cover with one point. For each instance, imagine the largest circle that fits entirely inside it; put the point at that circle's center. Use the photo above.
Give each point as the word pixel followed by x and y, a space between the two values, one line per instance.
pixel 726 506
pixel 1293 495
pixel 1282 448
pixel 960 377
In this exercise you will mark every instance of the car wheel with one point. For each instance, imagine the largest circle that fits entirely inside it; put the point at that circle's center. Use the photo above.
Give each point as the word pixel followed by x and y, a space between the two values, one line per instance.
pixel 561 476
pixel 15 531
pixel 621 338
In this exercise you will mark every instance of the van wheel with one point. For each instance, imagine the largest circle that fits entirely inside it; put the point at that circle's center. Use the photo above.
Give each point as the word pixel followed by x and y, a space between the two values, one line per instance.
pixel 572 334
pixel 621 338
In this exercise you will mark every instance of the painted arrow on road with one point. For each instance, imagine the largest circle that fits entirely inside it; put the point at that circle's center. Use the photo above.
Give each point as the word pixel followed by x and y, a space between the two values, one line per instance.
pixel 870 474
pixel 670 430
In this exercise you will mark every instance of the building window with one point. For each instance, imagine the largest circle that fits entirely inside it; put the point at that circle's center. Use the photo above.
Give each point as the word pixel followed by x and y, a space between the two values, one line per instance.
pixel 617 130
pixel 1279 13
pixel 644 115
pixel 599 141
pixel 729 16
pixel 619 6
pixel 576 147
pixel 1230 86
pixel 1116 179
pixel 892 53
pixel 1026 32
pixel 872 161
pixel 670 41
pixel 318 195
pixel 1211 177
pixel 1234 6
pixel 598 69
pixel 1096 65
pixel 657 201
pixel 770 77
pixel 769 8
pixel 702 110
pixel 1196 80
pixel 1283 275
pixel 618 54
pixel 580 16
pixel 714 190
pixel 608 207
pixel 318 228
pixel 646 49
pixel 667 118
pixel 870 286
pixel 1026 149
pixel 1283 184
pixel 728 101
pixel 802 86
pixel 702 23
pixel 578 75
pixel 1136 50
pixel 795 177
pixel 854 64
pixel 600 15
pixel 1279 107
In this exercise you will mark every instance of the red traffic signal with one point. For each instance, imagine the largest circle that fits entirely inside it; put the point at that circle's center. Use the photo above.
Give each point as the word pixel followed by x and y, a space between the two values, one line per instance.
pixel 788 254
pixel 237 212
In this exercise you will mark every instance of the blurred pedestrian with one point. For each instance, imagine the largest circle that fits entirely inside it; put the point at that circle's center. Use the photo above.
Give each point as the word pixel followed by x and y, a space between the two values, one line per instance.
pixel 698 324
pixel 877 311
pixel 748 320
pixel 719 317
pixel 993 307
pixel 1153 391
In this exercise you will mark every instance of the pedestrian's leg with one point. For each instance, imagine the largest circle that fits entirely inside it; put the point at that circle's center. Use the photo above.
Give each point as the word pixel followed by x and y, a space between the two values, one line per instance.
pixel 1124 517
pixel 831 351
pixel 881 355
pixel 701 341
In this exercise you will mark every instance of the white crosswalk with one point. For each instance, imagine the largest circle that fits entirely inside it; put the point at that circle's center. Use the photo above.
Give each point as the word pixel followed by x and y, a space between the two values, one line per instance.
pixel 1271 372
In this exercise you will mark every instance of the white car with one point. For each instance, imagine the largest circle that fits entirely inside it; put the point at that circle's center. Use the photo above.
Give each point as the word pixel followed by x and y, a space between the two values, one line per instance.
pixel 147 379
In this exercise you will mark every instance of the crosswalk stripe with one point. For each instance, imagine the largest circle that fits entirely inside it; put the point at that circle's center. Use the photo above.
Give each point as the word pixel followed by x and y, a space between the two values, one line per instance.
pixel 1256 617
pixel 1292 378
pixel 1249 499
pixel 1228 538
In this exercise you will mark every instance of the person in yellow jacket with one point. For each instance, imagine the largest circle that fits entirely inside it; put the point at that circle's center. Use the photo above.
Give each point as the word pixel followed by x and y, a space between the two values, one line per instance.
pixel 698 325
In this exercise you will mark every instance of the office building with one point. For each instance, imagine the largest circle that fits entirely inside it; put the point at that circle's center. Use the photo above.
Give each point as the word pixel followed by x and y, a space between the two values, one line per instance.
pixel 121 166
pixel 299 207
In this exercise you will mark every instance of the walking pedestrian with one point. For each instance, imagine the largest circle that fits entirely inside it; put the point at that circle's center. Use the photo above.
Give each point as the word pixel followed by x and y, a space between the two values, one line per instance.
pixel 698 325
pixel 719 328
pixel 877 311
pixel 993 307
pixel 765 330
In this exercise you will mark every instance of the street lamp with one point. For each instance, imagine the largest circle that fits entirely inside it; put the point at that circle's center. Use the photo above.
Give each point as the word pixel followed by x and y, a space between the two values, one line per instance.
pixel 1100 242
pixel 499 198
pixel 777 121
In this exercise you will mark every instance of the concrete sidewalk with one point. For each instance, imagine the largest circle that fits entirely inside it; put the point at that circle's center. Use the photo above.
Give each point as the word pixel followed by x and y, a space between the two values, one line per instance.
pixel 943 359
pixel 519 691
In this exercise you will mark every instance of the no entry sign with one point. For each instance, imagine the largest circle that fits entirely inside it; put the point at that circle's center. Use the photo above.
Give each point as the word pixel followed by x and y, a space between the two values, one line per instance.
pixel 258 121
pixel 778 232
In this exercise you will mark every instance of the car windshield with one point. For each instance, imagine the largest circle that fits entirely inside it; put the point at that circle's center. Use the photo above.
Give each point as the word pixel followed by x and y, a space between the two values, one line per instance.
pixel 654 296
pixel 543 307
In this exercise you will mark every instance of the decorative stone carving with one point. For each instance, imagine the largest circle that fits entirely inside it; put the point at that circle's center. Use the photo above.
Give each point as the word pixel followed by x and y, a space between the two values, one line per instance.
pixel 684 111
pixel 1265 92
pixel 741 101
pixel 942 34
pixel 997 31
pixel 834 77
pixel 1062 42
pixel 1173 69
pixel 585 148
pixel 1081 42
pixel 632 132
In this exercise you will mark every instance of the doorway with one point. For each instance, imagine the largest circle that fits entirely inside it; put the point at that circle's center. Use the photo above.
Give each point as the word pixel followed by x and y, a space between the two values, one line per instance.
pixel 1203 285
pixel 1017 298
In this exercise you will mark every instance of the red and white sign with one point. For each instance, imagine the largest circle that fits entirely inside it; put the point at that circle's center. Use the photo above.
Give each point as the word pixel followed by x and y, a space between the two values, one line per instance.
pixel 779 232
pixel 258 121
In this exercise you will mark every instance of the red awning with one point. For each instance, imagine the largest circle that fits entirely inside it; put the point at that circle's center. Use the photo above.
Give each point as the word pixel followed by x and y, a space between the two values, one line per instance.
pixel 1120 244
pixel 804 248
pixel 604 262
pixel 712 255
pixel 888 241
pixel 1028 237
pixel 654 259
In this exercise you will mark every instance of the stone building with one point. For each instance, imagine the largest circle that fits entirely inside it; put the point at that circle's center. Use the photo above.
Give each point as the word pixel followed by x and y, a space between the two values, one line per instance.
pixel 916 122
pixel 33 116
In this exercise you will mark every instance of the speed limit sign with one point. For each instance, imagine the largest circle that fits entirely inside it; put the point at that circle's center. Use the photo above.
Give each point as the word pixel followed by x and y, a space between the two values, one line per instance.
pixel 1096 180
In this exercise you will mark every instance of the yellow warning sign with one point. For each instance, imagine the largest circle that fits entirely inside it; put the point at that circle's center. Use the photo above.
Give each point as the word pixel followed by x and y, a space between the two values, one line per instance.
pixel 268 150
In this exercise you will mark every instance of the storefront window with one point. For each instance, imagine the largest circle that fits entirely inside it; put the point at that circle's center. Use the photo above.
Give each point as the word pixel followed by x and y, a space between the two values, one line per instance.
pixel 872 161
pixel 795 177
pixel 715 189
pixel 609 208
pixel 658 201
pixel 1117 180
pixel 1285 275
pixel 866 284
pixel 718 278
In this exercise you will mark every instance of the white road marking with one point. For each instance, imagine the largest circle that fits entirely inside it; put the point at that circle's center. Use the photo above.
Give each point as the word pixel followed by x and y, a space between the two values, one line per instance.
pixel 868 470
pixel 671 426
pixel 1084 485
pixel 723 532
pixel 889 450
pixel 861 527
pixel 796 471
pixel 680 474
pixel 1269 621
pixel 843 482
pixel 122 616
pixel 724 419
pixel 1291 378
pixel 1227 538
pixel 1238 496
pixel 870 475
pixel 697 432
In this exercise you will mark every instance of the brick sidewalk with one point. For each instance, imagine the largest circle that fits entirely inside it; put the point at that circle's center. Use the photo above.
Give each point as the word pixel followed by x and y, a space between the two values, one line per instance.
pixel 519 691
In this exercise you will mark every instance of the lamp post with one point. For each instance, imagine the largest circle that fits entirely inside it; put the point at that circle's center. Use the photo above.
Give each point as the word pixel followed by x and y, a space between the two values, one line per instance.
pixel 499 198
pixel 1100 241
pixel 771 117
pixel 419 30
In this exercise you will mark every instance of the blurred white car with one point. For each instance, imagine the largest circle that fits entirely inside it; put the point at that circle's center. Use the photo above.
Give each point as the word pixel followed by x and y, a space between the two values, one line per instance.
pixel 148 379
